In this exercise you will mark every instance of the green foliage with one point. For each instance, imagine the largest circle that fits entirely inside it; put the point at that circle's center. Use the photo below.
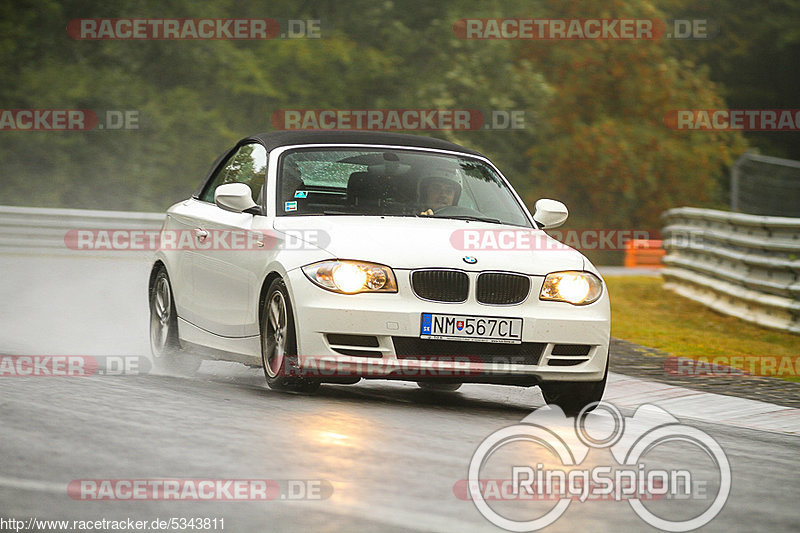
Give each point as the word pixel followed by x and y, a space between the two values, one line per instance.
pixel 753 56
pixel 609 153
pixel 196 98
pixel 594 110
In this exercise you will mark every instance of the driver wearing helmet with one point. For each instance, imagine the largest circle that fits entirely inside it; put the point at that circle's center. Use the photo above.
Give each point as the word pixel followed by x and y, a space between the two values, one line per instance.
pixel 438 190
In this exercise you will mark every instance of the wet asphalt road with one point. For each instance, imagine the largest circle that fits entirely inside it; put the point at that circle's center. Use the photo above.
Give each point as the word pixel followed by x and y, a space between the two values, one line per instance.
pixel 391 453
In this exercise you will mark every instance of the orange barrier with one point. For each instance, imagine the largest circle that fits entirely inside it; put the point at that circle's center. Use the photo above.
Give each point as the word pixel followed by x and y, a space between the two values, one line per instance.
pixel 644 253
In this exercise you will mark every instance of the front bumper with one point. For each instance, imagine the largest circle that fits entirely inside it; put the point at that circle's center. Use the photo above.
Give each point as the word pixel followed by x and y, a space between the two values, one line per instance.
pixel 561 342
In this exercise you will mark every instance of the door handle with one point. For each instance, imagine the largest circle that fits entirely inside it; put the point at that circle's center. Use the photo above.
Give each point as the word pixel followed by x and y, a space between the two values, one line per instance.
pixel 201 234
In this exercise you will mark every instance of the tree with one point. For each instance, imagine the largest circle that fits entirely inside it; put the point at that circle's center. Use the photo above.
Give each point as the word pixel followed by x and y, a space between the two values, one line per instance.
pixel 752 52
pixel 609 154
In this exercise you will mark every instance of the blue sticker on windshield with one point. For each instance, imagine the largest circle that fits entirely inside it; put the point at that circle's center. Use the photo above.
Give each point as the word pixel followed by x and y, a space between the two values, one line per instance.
pixel 290 206
pixel 301 194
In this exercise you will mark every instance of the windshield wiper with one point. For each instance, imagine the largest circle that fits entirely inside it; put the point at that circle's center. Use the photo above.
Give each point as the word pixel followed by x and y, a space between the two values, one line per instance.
pixel 471 217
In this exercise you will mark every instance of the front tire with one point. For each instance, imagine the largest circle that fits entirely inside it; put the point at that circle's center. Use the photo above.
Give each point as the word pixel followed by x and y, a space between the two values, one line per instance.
pixel 164 343
pixel 279 342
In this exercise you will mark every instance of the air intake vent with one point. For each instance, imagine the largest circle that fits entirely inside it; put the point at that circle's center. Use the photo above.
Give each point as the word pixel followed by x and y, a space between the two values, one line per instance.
pixel 527 353
pixel 354 345
pixel 368 341
pixel 571 349
pixel 569 354
pixel 499 288
pixel 440 285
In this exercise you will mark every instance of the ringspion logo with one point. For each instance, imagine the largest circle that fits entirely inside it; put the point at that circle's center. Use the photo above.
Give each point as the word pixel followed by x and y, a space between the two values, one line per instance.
pixel 557 469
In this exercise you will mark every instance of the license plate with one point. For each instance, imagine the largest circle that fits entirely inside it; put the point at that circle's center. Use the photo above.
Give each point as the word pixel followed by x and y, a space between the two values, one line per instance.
pixel 471 328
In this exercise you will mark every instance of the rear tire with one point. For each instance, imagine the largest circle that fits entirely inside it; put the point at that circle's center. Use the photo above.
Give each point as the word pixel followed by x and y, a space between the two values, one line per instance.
pixel 164 342
pixel 279 343
pixel 573 396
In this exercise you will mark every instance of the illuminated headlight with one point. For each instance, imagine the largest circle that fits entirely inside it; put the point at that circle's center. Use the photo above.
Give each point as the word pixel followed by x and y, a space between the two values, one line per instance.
pixel 351 277
pixel 577 288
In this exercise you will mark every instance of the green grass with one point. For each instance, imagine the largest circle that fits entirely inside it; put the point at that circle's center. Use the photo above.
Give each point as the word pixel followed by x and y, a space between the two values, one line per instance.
pixel 645 313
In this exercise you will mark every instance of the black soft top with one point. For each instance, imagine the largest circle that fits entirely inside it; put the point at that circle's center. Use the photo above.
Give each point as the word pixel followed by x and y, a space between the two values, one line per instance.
pixel 275 139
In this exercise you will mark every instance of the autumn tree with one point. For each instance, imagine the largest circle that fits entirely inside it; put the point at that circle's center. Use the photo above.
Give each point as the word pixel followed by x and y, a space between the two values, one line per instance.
pixel 608 153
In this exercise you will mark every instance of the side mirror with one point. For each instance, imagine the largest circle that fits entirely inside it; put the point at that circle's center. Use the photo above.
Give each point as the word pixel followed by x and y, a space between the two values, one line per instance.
pixel 234 197
pixel 549 213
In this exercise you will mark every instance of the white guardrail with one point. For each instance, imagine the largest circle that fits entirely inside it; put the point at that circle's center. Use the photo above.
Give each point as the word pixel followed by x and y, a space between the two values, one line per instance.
pixel 743 265
pixel 36 230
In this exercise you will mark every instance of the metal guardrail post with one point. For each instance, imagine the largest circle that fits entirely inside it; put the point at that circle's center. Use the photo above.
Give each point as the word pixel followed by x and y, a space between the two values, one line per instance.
pixel 765 185
pixel 735 177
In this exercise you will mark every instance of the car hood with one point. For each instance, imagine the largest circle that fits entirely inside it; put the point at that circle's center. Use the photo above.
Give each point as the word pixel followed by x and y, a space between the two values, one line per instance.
pixel 410 243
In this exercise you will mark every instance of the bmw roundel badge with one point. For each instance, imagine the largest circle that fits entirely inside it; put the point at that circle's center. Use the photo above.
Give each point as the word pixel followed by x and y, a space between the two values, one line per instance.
pixel 468 259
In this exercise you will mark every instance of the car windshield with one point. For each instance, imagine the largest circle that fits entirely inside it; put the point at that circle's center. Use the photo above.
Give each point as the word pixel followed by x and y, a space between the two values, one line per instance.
pixel 389 182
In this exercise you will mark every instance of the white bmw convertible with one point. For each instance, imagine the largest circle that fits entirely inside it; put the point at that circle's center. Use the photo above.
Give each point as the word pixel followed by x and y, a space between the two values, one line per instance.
pixel 337 256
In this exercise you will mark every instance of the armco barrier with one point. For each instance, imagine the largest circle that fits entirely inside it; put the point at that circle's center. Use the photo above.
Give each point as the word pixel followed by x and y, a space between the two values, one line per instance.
pixel 747 266
pixel 42 230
